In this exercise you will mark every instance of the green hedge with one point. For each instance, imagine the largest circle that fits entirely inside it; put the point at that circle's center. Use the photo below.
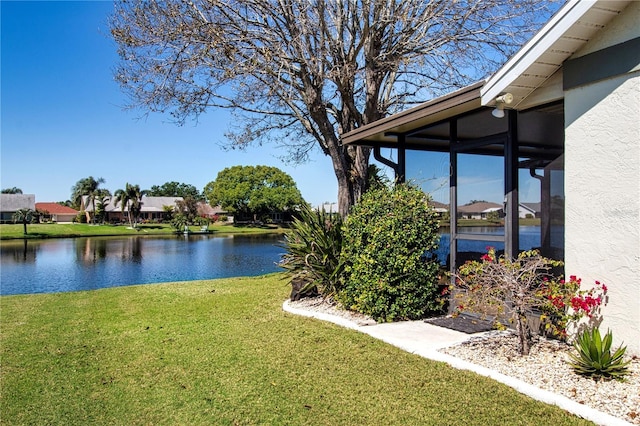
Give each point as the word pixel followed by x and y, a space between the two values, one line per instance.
pixel 389 271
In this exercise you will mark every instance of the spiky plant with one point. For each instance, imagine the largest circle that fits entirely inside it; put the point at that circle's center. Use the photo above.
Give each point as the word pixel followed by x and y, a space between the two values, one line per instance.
pixel 594 357
pixel 313 246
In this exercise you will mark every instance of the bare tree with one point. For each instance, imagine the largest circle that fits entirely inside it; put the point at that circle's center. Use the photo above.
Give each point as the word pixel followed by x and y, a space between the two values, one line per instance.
pixel 303 72
pixel 498 285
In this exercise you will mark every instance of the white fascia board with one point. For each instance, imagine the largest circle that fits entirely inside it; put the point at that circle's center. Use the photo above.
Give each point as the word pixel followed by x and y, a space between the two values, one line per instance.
pixel 567 16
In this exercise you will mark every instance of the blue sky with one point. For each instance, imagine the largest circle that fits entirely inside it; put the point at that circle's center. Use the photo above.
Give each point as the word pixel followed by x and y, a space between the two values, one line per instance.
pixel 62 115
pixel 62 119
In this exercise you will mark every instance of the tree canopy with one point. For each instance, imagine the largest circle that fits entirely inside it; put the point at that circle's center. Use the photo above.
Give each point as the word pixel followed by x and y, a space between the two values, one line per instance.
pixel 130 198
pixel 253 190
pixel 302 73
pixel 14 190
pixel 174 189
pixel 89 187
pixel 25 216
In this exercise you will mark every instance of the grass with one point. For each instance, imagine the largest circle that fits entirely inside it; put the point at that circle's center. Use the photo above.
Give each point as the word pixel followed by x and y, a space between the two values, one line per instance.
pixel 62 230
pixel 223 352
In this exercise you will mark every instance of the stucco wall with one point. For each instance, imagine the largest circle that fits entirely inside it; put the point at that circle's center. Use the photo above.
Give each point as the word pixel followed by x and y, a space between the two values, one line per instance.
pixel 602 187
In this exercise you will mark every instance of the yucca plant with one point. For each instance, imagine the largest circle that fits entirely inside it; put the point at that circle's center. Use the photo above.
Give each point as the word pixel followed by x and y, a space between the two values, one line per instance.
pixel 313 246
pixel 594 357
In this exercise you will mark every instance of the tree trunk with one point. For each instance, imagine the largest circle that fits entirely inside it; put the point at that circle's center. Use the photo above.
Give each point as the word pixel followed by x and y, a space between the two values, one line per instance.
pixel 524 335
pixel 351 173
pixel 130 216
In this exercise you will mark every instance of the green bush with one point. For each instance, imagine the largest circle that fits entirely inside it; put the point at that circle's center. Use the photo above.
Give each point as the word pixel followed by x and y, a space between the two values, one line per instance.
pixel 179 222
pixel 594 358
pixel 389 272
pixel 313 247
pixel 81 217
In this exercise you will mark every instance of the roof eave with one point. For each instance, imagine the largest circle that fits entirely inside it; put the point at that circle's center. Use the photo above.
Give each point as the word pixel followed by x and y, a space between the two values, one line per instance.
pixel 534 48
pixel 522 74
pixel 447 106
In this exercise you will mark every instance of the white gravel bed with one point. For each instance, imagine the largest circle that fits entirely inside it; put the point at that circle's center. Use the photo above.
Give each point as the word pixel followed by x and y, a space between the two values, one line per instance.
pixel 545 367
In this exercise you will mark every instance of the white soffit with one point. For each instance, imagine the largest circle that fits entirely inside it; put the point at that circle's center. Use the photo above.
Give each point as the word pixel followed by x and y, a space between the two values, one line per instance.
pixel 567 32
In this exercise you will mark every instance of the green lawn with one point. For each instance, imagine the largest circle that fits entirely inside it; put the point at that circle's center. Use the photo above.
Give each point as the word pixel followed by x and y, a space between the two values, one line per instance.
pixel 59 230
pixel 223 352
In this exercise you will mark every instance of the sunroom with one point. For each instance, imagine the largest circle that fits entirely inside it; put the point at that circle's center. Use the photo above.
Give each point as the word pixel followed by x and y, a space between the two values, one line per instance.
pixel 457 130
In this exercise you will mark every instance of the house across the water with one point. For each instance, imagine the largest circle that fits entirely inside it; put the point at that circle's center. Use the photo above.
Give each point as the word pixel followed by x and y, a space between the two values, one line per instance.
pixel 56 212
pixel 11 203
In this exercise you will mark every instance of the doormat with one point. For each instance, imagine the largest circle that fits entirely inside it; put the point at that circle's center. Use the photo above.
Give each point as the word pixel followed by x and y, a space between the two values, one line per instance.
pixel 464 323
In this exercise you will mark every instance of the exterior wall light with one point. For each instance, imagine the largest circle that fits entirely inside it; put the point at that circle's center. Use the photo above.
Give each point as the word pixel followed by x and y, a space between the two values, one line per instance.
pixel 501 101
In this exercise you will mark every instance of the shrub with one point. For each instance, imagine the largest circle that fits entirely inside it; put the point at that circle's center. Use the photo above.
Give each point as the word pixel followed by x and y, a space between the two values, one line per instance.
pixel 201 221
pixel 594 357
pixel 81 217
pixel 179 222
pixel 494 283
pixel 523 287
pixel 313 247
pixel 563 303
pixel 493 216
pixel 389 273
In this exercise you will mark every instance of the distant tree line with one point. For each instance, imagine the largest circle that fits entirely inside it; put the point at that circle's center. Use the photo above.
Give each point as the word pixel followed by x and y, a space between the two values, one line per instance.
pixel 248 191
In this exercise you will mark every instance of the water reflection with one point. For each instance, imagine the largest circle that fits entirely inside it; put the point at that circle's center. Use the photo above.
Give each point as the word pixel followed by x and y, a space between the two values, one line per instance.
pixel 18 252
pixel 96 249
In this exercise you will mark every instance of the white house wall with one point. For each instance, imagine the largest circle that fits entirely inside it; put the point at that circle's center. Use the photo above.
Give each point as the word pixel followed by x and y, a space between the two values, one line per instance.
pixel 602 186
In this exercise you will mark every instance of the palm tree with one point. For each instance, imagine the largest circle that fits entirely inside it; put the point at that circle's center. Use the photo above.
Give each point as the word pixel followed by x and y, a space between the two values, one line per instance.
pixel 131 198
pixel 103 197
pixel 136 201
pixel 121 196
pixel 89 187
pixel 25 216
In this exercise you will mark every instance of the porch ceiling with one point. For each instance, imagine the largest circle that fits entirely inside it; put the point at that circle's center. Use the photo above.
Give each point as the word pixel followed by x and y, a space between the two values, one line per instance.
pixel 427 127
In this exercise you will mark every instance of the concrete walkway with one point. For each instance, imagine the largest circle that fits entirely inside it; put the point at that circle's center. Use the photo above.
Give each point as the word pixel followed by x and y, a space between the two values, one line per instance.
pixel 424 339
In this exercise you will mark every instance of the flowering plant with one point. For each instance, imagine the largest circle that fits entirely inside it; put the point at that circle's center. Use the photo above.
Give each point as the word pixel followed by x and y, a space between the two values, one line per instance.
pixel 564 302
pixel 525 286
pixel 499 287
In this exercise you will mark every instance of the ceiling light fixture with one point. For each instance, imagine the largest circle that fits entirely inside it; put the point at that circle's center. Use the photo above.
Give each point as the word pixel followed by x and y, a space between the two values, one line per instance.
pixel 501 101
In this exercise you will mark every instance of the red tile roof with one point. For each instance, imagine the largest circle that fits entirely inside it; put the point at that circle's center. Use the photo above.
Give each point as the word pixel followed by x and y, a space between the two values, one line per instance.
pixel 55 208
